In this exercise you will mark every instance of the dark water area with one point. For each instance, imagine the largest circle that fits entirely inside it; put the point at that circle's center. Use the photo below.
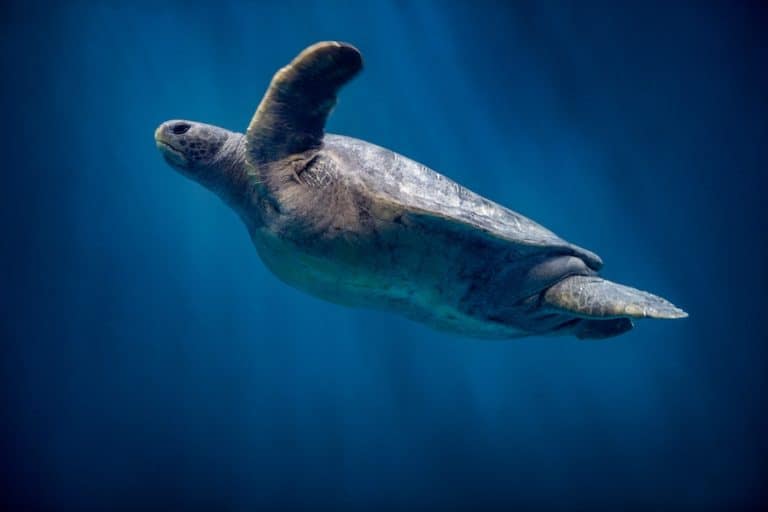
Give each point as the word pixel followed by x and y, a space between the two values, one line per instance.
pixel 149 360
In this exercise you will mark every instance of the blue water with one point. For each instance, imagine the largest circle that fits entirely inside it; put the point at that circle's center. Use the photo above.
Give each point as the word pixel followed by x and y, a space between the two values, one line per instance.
pixel 149 359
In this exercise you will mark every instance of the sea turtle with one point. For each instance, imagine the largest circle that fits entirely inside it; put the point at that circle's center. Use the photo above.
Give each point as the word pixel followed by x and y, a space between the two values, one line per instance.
pixel 359 225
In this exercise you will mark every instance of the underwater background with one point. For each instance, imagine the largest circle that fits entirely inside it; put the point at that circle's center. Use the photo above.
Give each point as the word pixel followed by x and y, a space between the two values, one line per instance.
pixel 150 361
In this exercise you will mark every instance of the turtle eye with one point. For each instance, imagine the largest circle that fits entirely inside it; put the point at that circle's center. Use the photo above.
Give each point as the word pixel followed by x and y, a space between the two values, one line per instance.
pixel 180 128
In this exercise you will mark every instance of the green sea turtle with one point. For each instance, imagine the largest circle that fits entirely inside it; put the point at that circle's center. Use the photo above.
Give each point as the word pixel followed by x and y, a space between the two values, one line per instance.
pixel 359 225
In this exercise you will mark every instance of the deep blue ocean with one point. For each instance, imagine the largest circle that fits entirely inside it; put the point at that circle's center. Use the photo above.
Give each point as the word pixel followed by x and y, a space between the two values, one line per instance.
pixel 151 361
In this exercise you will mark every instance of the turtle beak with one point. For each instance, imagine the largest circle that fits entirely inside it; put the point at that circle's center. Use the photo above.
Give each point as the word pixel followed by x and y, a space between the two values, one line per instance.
pixel 164 142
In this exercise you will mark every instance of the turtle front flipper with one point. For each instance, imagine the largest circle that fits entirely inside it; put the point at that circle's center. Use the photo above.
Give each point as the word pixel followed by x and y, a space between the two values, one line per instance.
pixel 292 114
pixel 596 298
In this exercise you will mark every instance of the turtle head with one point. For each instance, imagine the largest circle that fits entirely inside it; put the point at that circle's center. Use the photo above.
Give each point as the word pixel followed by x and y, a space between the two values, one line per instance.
pixel 210 155
pixel 190 147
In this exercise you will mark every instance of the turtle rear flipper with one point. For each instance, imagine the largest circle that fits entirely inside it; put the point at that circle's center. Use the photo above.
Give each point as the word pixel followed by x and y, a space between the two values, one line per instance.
pixel 291 116
pixel 596 298
pixel 601 329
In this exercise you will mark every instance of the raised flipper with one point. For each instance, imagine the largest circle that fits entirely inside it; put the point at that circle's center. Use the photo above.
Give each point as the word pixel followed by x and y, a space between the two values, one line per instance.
pixel 596 298
pixel 292 114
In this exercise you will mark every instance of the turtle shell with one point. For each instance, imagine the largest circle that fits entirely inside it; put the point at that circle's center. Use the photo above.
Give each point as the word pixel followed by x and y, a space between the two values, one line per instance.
pixel 427 196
